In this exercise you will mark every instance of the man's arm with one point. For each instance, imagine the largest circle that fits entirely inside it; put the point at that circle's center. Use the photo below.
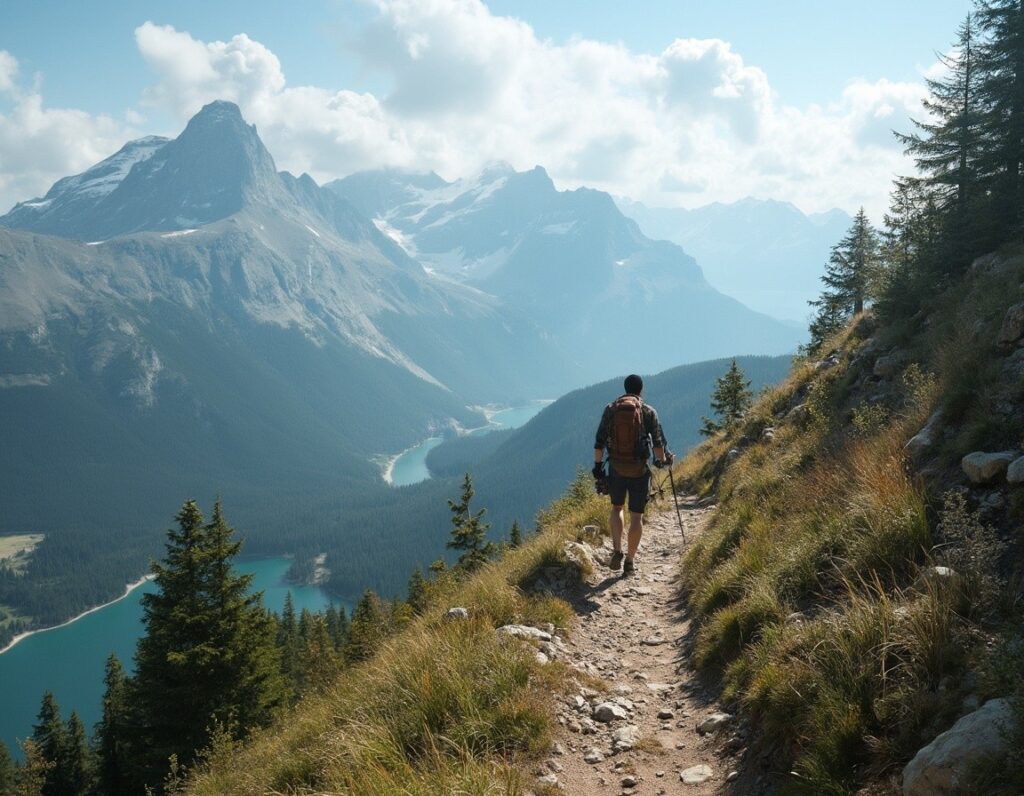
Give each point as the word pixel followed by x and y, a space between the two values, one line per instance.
pixel 601 438
pixel 657 435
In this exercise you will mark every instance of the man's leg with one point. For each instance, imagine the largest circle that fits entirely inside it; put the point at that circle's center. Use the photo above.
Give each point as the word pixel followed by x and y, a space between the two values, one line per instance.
pixel 636 530
pixel 615 524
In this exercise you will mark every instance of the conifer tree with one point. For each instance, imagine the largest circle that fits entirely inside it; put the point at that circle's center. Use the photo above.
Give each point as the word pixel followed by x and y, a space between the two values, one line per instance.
pixel 50 740
pixel 6 769
pixel 35 770
pixel 416 592
pixel 469 531
pixel 207 657
pixel 948 147
pixel 730 401
pixel 113 733
pixel 853 267
pixel 320 664
pixel 515 535
pixel 76 764
pixel 368 628
pixel 1002 89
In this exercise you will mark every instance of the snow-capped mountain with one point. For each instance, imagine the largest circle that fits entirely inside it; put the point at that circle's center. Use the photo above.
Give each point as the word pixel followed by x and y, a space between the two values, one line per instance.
pixel 611 296
pixel 198 300
pixel 768 254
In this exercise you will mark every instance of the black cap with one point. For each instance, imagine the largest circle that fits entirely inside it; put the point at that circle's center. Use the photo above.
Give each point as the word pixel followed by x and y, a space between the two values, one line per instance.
pixel 634 384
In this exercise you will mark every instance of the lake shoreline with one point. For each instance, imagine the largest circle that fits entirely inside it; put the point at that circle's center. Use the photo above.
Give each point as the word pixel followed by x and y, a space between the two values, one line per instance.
pixel 128 589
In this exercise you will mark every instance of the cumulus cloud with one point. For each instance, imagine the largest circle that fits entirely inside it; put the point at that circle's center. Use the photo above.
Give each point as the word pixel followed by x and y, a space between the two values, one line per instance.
pixel 463 86
pixel 39 145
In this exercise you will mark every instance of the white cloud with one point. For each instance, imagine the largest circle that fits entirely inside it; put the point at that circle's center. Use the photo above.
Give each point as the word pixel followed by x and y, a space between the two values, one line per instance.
pixel 694 123
pixel 39 145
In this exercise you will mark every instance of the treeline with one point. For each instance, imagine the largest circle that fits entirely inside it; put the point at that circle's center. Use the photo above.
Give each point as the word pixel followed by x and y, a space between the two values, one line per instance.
pixel 968 197
pixel 213 664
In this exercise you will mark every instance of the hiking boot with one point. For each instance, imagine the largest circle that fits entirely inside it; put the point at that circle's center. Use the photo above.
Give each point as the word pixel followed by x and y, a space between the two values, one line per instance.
pixel 628 568
pixel 615 561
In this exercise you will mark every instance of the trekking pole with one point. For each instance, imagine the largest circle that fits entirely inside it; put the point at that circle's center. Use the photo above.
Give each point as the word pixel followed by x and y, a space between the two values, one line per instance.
pixel 675 500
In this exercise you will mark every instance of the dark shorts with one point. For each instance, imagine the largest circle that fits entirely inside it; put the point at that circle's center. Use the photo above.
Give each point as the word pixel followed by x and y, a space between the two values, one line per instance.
pixel 637 489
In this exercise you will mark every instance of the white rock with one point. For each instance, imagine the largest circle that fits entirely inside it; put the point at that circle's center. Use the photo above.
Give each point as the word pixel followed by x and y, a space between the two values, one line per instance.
pixel 981 467
pixel 609 711
pixel 542 659
pixel 582 555
pixel 695 775
pixel 455 614
pixel 593 755
pixel 713 723
pixel 1015 471
pixel 941 765
pixel 625 738
pixel 548 779
pixel 524 631
pixel 653 641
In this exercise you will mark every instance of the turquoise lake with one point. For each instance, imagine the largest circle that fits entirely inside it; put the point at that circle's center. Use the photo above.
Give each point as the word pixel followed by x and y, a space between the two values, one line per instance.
pixel 411 466
pixel 69 660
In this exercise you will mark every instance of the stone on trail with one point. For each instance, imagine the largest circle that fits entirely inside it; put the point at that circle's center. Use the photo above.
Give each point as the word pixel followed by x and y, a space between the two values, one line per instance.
pixel 942 765
pixel 629 781
pixel 625 738
pixel 653 641
pixel 713 723
pixel 981 467
pixel 593 755
pixel 695 775
pixel 609 711
pixel 524 631
pixel 548 779
pixel 665 713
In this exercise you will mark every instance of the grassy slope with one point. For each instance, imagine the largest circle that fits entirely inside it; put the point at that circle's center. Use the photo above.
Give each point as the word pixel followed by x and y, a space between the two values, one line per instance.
pixel 444 707
pixel 812 583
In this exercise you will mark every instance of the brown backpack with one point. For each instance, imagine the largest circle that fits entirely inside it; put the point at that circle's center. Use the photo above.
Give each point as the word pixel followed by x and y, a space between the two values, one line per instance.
pixel 627 447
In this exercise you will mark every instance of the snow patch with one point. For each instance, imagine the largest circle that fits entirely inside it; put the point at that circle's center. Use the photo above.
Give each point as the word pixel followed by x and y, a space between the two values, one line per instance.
pixel 95 242
pixel 558 229
pixel 312 230
pixel 178 234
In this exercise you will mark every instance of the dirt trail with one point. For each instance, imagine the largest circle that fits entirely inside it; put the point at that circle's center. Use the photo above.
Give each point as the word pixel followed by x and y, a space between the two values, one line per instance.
pixel 632 635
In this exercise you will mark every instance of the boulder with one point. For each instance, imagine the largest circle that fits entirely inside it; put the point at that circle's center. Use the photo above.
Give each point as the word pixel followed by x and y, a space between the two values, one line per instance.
pixel 695 775
pixel 798 413
pixel 524 631
pixel 582 555
pixel 925 438
pixel 625 738
pixel 609 711
pixel 981 467
pixel 456 614
pixel 593 755
pixel 1015 471
pixel 1013 326
pixel 941 766
pixel 713 723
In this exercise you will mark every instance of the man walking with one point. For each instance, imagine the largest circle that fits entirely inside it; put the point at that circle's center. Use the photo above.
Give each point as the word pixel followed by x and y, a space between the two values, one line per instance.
pixel 629 429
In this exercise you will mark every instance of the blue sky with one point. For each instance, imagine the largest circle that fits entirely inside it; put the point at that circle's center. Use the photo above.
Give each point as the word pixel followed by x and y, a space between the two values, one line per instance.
pixel 710 94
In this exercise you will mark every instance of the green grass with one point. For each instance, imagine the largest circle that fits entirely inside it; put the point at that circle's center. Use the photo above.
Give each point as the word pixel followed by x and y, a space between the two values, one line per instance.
pixel 442 707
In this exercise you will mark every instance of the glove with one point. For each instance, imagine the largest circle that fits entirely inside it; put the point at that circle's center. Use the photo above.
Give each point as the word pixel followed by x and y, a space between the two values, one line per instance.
pixel 598 471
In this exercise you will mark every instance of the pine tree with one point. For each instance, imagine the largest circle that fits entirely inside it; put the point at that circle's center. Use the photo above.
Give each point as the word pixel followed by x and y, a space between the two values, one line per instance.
pixel 368 629
pixel 6 769
pixel 76 763
pixel 320 663
pixel 50 740
pixel 730 401
pixel 853 268
pixel 515 535
pixel 416 592
pixel 948 147
pixel 34 772
pixel 1002 90
pixel 469 531
pixel 207 656
pixel 829 317
pixel 113 733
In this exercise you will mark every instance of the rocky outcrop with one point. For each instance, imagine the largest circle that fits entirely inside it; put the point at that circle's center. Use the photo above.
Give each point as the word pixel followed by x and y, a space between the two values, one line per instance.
pixel 888 366
pixel 941 766
pixel 1012 329
pixel 983 468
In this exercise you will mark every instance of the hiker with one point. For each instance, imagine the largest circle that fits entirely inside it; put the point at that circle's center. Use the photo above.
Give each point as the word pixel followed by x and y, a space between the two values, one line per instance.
pixel 629 429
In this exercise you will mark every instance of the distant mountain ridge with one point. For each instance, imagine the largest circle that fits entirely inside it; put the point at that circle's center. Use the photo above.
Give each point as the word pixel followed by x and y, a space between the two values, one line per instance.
pixel 768 254
pixel 569 259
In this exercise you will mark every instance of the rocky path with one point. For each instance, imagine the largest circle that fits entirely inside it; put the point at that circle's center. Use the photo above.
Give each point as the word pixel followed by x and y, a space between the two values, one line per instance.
pixel 637 720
